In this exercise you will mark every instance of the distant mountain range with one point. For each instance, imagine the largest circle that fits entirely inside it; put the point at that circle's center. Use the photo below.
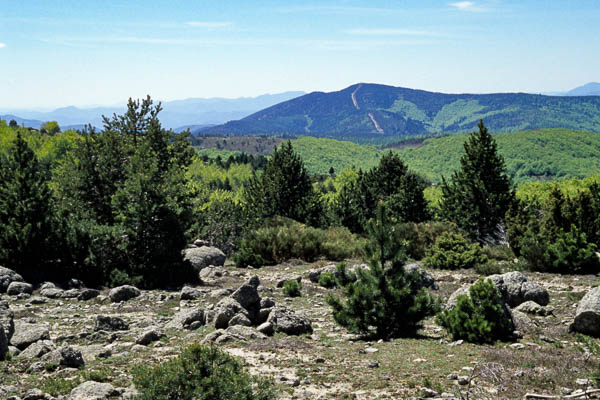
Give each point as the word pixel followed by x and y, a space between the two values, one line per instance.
pixel 589 89
pixel 194 113
pixel 375 110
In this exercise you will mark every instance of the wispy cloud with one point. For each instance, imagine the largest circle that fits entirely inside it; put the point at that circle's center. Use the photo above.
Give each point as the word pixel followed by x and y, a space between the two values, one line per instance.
pixel 325 9
pixel 209 24
pixel 2 45
pixel 468 6
pixel 389 32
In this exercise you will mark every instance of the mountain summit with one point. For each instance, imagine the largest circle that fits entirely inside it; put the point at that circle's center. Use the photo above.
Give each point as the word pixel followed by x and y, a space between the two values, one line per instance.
pixel 366 109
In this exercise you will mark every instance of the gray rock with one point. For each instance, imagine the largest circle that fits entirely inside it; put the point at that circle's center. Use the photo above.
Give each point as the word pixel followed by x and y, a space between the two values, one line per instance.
pixel 7 276
pixel 190 293
pixel 289 322
pixel 88 294
pixel 587 315
pixel 16 288
pixel 38 349
pixel 289 277
pixel 247 296
pixel 451 303
pixel 427 280
pixel 184 319
pixel 36 300
pixel 266 328
pixel 240 332
pixel 3 344
pixel 522 322
pixel 91 390
pixel 263 315
pixel 7 319
pixel 51 292
pixel 202 257
pixel 240 319
pixel 212 272
pixel 531 307
pixel 516 289
pixel 150 335
pixel 220 293
pixel 109 323
pixel 36 394
pixel 201 242
pixel 66 357
pixel 70 294
pixel 314 274
pixel 27 333
pixel 213 336
pixel 123 293
pixel 226 309
pixel 267 302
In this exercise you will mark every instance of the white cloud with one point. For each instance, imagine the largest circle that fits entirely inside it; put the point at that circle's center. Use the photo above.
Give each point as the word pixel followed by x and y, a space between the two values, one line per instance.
pixel 209 24
pixel 389 32
pixel 2 45
pixel 463 5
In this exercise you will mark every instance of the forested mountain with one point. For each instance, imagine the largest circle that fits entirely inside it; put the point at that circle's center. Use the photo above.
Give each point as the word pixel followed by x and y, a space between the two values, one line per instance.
pixel 378 110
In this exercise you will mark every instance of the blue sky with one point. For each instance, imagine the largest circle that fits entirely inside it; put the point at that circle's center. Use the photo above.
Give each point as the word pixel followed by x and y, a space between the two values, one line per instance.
pixel 55 53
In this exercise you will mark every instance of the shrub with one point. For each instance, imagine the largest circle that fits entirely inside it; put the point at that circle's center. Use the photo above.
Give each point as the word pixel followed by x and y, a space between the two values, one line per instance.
pixel 327 280
pixel 479 317
pixel 489 268
pixel 280 239
pixel 200 373
pixel 383 301
pixel 421 236
pixel 453 251
pixel 292 288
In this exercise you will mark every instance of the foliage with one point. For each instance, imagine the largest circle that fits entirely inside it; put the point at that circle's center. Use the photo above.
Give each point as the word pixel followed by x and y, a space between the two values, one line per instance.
pixel 561 235
pixel 421 236
pixel 488 268
pixel 280 239
pixel 50 127
pixel 28 225
pixel 383 301
pixel 327 280
pixel 224 224
pixel 453 251
pixel 478 317
pixel 127 187
pixel 478 195
pixel 292 288
pixel 201 373
pixel 284 189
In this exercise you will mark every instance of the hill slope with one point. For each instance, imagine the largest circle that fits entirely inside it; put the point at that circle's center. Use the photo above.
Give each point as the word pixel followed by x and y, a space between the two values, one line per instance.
pixel 379 110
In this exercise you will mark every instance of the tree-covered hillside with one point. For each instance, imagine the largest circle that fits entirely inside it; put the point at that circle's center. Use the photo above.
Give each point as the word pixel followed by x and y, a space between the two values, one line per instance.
pixel 377 110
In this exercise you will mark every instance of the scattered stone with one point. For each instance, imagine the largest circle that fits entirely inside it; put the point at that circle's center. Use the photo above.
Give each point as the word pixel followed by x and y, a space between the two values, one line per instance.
pixel 28 333
pixel 463 380
pixel 427 280
pixel 190 293
pixel 371 350
pixel 38 349
pixel 266 328
pixel 289 322
pixel 109 323
pixel 37 300
pixel 522 322
pixel 123 293
pixel 7 319
pixel 587 316
pixel 517 346
pixel 247 296
pixel 428 393
pixel 3 343
pixel 16 288
pixel 88 294
pixel 212 272
pixel 226 309
pixel 51 292
pixel 66 357
pixel 8 276
pixel 240 319
pixel 314 274
pixel 267 302
pixel 516 289
pixel 184 319
pixel 220 293
pixel 202 257
pixel 150 335
pixel 91 390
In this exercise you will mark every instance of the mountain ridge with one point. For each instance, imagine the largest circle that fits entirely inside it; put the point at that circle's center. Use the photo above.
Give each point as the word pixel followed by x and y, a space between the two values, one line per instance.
pixel 366 109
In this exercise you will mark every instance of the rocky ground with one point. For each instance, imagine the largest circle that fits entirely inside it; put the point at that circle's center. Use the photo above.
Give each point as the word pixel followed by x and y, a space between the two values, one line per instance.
pixel 76 343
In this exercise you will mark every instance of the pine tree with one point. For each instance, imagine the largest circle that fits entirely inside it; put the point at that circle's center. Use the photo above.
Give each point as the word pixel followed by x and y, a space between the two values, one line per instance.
pixel 284 188
pixel 384 301
pixel 27 218
pixel 480 192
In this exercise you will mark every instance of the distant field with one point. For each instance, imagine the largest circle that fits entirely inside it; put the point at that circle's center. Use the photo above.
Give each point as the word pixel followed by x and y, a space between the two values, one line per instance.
pixel 538 155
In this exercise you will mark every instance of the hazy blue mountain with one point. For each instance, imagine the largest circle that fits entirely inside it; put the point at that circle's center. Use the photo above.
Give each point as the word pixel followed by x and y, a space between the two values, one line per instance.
pixel 377 110
pixel 32 123
pixel 589 89
pixel 177 113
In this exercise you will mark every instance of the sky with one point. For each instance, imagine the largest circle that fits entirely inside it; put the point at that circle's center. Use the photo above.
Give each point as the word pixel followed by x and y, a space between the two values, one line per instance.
pixel 56 53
